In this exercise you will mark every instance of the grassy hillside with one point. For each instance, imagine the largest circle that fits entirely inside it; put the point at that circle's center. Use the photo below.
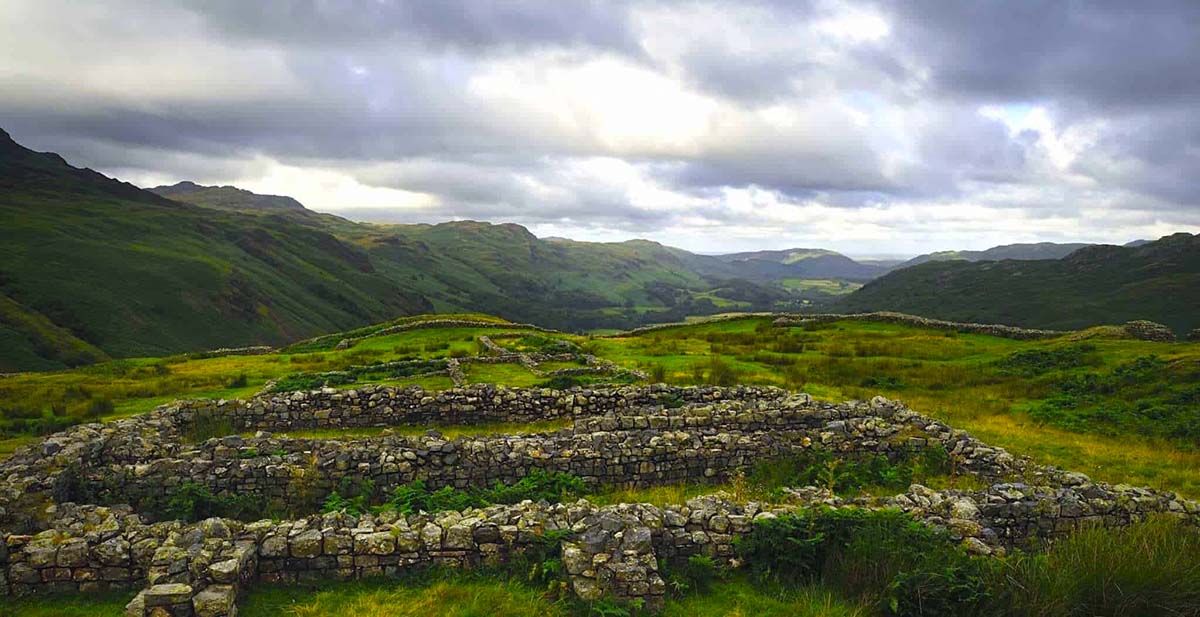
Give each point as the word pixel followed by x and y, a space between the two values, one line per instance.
pixel 139 277
pixel 1158 280
pixel 225 197
pixel 1040 250
pixel 90 266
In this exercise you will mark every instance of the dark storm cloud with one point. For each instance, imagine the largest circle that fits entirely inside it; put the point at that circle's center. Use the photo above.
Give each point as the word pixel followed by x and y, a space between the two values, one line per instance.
pixel 1105 53
pixel 477 26
pixel 811 101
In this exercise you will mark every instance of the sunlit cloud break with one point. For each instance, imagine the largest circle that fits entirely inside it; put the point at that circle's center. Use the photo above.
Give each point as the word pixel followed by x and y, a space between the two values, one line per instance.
pixel 872 128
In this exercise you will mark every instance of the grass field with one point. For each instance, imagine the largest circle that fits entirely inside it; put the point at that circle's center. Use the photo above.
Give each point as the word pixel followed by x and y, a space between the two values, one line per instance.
pixel 1120 410
pixel 1083 402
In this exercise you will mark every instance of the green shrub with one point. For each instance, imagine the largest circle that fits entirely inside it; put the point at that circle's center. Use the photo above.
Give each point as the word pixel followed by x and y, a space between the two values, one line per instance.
pixel 98 408
pixel 1033 362
pixel 416 497
pixel 845 474
pixel 561 382
pixel 694 575
pixel 237 382
pixel 195 502
pixel 539 485
pixel 883 557
pixel 718 372
pixel 955 588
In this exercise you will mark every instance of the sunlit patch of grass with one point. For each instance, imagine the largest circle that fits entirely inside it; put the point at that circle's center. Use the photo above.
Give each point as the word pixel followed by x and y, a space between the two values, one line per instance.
pixel 741 597
pixel 1129 459
pixel 667 494
pixel 454 598
pixel 509 374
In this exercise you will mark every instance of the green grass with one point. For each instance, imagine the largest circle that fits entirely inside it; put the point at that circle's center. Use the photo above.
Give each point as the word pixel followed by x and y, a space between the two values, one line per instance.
pixel 508 374
pixel 456 598
pixel 989 386
pixel 742 597
pixel 466 595
pixel 962 379
pixel 68 605
pixel 828 287
pixel 1152 568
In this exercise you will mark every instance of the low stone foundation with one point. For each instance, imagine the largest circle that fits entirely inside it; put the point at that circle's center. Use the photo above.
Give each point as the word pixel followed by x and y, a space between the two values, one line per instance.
pixel 639 437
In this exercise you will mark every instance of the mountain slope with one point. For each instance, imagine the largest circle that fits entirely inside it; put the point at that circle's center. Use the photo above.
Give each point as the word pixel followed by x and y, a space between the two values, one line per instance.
pixel 226 197
pixel 92 266
pixel 133 273
pixel 799 264
pixel 1040 250
pixel 1100 284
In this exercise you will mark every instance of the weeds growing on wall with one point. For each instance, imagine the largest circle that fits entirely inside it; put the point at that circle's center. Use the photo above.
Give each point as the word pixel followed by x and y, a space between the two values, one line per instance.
pixel 416 496
pixel 844 474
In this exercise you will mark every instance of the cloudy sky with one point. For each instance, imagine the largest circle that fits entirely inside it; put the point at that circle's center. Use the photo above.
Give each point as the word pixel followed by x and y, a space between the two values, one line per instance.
pixel 870 128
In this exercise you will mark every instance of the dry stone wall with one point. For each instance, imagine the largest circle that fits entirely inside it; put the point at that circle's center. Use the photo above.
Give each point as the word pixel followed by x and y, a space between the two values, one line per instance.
pixel 627 436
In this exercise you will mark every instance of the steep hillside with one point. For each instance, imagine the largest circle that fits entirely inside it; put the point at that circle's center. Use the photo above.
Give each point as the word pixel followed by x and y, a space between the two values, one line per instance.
pixel 90 266
pixel 87 263
pixel 1100 284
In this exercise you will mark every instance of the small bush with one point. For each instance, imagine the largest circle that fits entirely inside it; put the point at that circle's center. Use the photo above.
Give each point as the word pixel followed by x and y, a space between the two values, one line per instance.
pixel 195 502
pixel 561 382
pixel 237 382
pixel 883 557
pixel 1033 362
pixel 98 408
pixel 539 485
pixel 695 575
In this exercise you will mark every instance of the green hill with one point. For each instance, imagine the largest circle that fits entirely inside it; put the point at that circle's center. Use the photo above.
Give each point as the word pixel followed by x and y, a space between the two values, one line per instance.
pixel 88 262
pixel 1040 250
pixel 226 197
pixel 92 267
pixel 1100 284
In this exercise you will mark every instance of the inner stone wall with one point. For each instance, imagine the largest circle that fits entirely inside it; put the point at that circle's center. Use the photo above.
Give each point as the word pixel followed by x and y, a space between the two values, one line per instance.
pixel 380 406
pixel 626 436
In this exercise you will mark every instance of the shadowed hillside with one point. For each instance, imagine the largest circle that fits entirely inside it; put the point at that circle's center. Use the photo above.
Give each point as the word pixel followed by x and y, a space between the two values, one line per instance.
pixel 1100 284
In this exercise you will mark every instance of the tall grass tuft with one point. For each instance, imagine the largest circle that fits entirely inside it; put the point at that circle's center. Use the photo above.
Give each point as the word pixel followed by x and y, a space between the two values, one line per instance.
pixel 1151 568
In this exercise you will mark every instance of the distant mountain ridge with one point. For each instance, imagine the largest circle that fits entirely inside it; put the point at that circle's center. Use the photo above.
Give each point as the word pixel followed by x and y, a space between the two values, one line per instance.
pixel 1097 284
pixel 1040 250
pixel 92 267
pixel 226 197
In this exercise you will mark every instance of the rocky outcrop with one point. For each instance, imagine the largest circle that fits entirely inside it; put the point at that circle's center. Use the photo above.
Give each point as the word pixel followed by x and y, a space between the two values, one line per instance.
pixel 1144 330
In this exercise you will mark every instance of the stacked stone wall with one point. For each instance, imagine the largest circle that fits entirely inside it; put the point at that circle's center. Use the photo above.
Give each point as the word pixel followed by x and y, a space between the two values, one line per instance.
pixel 628 436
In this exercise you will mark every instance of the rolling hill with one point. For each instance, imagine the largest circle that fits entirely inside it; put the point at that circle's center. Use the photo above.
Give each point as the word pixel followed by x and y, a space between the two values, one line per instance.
pixel 1099 284
pixel 92 267
pixel 1040 250
pixel 88 263
pixel 800 264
